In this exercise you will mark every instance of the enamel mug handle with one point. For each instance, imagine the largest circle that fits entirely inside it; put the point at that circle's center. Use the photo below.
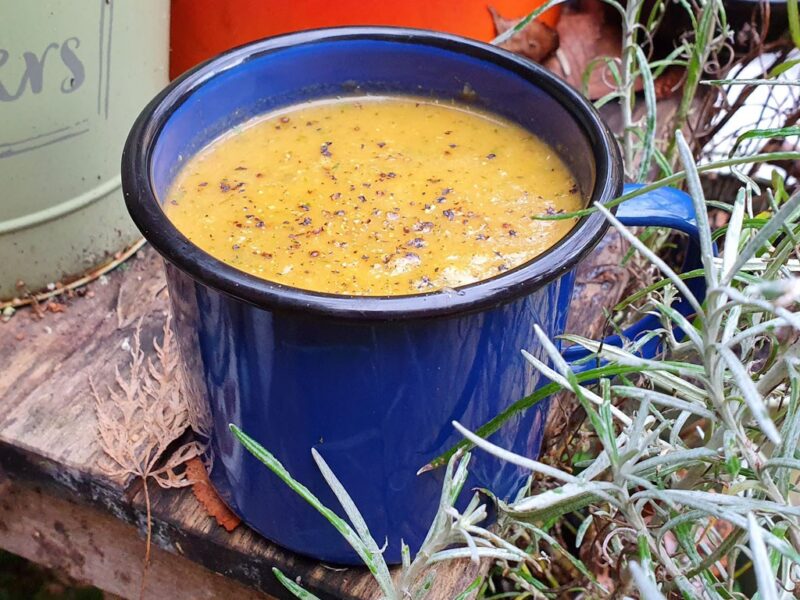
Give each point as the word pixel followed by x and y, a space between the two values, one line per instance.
pixel 665 207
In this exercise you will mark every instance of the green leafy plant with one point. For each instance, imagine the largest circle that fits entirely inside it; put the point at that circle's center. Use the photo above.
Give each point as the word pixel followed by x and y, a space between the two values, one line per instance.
pixel 449 528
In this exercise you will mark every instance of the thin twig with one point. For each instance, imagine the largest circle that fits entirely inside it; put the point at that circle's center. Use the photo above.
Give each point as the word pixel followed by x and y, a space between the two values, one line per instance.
pixel 78 283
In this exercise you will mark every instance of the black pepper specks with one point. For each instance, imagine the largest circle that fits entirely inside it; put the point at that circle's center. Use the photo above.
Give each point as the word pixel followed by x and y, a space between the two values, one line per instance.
pixel 357 202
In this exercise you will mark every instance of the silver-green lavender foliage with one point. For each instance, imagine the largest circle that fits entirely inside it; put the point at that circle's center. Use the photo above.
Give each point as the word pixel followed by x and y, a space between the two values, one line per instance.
pixel 732 382
pixel 452 535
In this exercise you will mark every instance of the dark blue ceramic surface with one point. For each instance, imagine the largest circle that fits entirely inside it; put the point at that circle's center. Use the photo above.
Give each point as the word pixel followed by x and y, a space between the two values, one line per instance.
pixel 372 383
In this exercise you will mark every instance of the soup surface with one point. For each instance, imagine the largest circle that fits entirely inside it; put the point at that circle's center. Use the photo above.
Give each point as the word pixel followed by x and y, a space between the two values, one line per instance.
pixel 374 196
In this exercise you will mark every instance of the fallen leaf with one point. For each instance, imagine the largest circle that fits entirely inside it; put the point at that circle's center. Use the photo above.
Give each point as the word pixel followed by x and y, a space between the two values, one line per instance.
pixel 669 83
pixel 208 497
pixel 586 31
pixel 535 41
pixel 56 307
pixel 141 413
pixel 139 416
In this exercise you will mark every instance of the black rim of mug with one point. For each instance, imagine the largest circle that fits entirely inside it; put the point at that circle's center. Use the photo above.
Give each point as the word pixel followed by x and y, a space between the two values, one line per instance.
pixel 146 211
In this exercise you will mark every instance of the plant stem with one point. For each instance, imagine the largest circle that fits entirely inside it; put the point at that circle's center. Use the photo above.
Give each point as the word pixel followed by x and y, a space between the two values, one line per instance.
pixel 149 538
pixel 627 97
pixel 700 52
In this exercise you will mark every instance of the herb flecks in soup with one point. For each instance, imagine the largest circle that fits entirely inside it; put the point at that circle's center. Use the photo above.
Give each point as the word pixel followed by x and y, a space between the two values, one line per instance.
pixel 374 196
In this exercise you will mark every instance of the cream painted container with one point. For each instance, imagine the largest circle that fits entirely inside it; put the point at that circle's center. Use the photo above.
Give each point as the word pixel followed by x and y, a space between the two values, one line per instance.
pixel 73 77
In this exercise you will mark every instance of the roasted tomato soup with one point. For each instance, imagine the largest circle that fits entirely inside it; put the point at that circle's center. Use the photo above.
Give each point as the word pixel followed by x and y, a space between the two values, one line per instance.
pixel 374 196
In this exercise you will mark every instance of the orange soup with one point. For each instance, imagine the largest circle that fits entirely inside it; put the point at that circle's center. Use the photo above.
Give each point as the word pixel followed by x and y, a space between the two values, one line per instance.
pixel 374 196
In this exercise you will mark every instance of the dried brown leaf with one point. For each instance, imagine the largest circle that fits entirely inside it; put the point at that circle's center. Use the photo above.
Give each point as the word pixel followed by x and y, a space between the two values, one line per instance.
pixel 144 412
pixel 56 307
pixel 536 41
pixel 587 31
pixel 669 83
pixel 141 415
pixel 208 497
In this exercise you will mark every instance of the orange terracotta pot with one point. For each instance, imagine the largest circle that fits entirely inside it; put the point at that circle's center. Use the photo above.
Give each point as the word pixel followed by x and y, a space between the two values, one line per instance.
pixel 201 29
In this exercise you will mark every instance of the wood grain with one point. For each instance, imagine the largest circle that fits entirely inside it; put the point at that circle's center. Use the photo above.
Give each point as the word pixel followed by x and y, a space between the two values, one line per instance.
pixel 91 546
pixel 48 359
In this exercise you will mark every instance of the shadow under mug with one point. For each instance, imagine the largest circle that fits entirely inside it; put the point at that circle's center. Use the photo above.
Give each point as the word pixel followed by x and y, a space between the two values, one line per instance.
pixel 373 383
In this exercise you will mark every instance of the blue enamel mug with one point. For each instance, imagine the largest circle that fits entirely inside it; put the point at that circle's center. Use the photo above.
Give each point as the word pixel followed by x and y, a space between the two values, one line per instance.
pixel 373 383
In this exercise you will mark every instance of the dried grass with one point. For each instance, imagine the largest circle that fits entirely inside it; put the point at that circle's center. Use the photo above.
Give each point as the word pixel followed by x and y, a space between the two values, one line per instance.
pixel 142 414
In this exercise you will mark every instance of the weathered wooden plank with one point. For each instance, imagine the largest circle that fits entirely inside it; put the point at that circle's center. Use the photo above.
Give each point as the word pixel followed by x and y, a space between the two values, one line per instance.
pixel 245 556
pixel 48 358
pixel 91 546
